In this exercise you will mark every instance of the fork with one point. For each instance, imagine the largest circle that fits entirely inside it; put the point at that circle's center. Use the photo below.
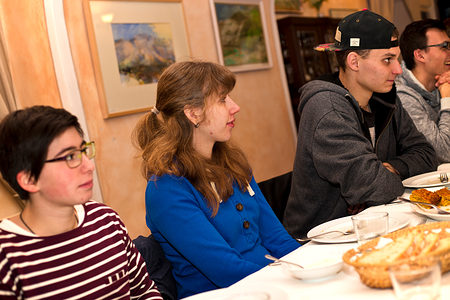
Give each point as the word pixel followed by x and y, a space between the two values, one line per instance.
pixel 347 232
pixel 439 210
pixel 443 177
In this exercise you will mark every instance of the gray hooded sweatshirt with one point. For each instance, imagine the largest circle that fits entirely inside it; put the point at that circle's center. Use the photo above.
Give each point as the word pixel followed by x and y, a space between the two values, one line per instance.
pixel 336 165
pixel 430 112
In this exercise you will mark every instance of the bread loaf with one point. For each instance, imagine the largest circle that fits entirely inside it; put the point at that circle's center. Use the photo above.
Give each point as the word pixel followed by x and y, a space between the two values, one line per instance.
pixel 443 245
pixel 388 253
pixel 429 243
pixel 373 258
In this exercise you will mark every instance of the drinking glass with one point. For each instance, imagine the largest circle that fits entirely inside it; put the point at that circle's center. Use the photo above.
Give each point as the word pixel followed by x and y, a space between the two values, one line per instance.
pixel 368 226
pixel 417 279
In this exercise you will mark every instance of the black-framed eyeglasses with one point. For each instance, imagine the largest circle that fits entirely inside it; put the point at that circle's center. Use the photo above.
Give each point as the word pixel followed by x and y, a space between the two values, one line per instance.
pixel 444 45
pixel 73 159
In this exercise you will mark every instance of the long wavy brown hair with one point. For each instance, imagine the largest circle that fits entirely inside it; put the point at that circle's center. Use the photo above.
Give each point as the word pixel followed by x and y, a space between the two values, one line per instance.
pixel 165 139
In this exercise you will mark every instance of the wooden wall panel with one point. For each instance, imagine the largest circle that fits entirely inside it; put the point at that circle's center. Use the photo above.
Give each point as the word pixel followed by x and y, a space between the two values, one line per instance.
pixel 30 57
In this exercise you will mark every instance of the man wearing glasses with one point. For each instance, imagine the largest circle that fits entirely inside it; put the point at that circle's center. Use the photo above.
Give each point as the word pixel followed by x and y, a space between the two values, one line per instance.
pixel 423 87
pixel 62 245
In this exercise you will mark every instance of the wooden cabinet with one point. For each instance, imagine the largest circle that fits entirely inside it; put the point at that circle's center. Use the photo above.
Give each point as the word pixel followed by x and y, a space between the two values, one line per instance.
pixel 298 37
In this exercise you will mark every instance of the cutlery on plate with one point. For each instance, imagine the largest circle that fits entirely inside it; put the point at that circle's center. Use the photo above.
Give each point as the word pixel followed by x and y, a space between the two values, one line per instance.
pixel 443 177
pixel 277 260
pixel 439 210
pixel 346 232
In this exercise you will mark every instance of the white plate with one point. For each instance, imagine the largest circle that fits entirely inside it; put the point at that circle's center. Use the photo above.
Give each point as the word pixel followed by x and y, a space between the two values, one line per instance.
pixel 432 214
pixel 424 180
pixel 318 264
pixel 396 221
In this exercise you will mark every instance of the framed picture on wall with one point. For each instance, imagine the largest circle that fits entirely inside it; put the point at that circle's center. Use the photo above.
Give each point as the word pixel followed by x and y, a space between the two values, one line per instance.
pixel 288 6
pixel 131 43
pixel 339 13
pixel 241 34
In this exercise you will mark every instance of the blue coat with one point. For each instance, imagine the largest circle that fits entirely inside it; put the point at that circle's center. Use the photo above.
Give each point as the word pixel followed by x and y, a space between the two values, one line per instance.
pixel 208 253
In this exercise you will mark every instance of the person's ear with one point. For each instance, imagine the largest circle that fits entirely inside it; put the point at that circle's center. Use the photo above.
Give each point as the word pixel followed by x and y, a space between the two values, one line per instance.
pixel 418 55
pixel 27 182
pixel 193 114
pixel 353 61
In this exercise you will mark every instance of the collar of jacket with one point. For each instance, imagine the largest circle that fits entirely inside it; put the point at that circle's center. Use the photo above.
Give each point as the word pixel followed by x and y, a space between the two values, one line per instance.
pixel 381 104
pixel 408 80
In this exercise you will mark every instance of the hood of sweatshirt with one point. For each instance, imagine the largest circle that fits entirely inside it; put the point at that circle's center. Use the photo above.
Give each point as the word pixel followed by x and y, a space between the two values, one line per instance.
pixel 407 81
pixel 331 83
pixel 382 104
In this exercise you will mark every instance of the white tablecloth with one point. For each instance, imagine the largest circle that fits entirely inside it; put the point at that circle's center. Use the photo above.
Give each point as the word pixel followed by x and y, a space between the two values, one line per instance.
pixel 345 285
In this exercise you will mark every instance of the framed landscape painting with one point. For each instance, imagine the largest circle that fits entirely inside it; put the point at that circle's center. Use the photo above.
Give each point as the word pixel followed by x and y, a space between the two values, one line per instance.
pixel 131 43
pixel 339 13
pixel 288 6
pixel 143 50
pixel 241 34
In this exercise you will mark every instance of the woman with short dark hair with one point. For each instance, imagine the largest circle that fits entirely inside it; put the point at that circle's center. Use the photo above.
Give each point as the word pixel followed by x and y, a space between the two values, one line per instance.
pixel 63 244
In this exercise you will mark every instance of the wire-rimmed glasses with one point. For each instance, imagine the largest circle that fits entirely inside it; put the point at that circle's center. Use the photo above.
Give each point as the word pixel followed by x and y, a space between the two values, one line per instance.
pixel 73 159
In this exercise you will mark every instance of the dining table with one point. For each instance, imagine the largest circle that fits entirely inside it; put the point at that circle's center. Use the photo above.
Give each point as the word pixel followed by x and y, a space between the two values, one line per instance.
pixel 274 282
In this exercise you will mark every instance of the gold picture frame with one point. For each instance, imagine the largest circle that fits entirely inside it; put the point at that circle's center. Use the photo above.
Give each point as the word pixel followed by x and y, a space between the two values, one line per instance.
pixel 339 13
pixel 288 7
pixel 131 42
pixel 241 34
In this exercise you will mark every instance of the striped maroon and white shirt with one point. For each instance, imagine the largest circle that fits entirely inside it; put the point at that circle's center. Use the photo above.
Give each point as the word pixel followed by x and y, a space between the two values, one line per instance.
pixel 96 260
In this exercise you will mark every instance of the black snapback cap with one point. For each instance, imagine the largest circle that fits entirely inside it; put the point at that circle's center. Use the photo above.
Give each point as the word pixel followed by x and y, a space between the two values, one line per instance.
pixel 362 30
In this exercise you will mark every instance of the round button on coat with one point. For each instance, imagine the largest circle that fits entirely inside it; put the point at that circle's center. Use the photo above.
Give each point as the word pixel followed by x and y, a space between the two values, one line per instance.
pixel 239 206
pixel 246 224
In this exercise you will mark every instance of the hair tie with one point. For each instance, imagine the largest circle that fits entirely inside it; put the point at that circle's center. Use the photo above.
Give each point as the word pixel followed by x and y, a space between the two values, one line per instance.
pixel 154 110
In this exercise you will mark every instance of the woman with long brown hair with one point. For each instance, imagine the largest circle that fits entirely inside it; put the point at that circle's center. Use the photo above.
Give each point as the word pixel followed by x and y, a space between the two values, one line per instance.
pixel 202 203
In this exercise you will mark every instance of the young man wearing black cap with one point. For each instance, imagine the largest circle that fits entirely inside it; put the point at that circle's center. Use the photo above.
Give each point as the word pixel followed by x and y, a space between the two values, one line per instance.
pixel 355 141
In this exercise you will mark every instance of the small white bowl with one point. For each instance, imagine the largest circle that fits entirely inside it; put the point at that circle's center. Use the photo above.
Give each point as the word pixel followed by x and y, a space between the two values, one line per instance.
pixel 319 269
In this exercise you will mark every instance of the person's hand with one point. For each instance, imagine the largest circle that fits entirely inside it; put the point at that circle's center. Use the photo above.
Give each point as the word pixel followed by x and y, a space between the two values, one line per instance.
pixel 444 89
pixel 391 168
pixel 443 83
pixel 442 78
pixel 354 209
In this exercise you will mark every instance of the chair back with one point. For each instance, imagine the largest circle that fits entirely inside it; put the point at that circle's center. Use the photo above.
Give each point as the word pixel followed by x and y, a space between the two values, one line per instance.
pixel 158 267
pixel 276 190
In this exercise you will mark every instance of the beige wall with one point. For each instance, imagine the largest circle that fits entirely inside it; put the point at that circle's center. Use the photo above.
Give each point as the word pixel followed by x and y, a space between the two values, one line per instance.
pixel 263 128
pixel 27 45
pixel 10 202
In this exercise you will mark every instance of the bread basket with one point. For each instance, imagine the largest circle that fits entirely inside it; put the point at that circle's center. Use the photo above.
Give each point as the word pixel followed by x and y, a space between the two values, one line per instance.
pixel 376 274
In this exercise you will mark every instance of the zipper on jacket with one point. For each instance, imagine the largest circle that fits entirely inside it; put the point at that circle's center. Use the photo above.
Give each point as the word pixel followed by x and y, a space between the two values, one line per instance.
pixel 384 129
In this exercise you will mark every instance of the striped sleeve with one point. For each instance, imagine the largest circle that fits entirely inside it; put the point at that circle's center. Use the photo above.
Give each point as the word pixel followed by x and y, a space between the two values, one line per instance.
pixel 94 261
pixel 141 286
